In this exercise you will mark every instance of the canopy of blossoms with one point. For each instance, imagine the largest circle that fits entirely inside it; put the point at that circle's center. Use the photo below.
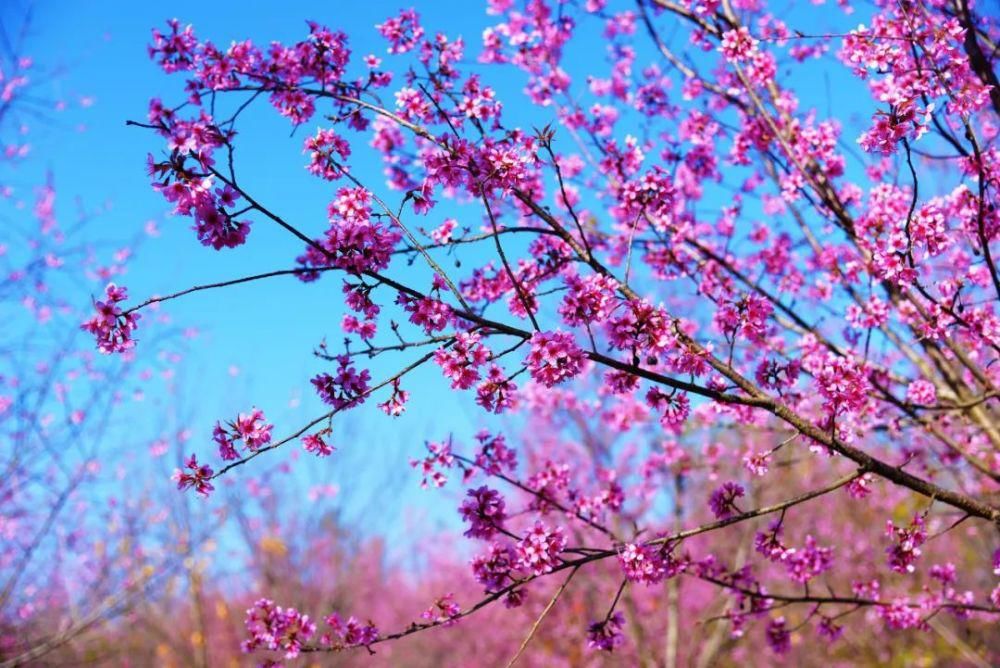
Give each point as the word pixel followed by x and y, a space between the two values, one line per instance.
pixel 785 314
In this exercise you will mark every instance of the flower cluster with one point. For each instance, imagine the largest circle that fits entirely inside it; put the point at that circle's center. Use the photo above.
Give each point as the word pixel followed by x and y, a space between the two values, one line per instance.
pixel 723 500
pixel 779 638
pixel 589 300
pixel 745 317
pixel 395 405
pixel 843 384
pixel 803 564
pixel 554 358
pixel 461 360
pixel 321 148
pixel 345 389
pixel 349 633
pixel 484 510
pixel 197 476
pixel 606 635
pixel 444 611
pixel 737 45
pixel 497 393
pixel 439 457
pixel 110 325
pixel 538 552
pixel 922 393
pixel 647 564
pixel 673 407
pixel 353 242
pixel 495 456
pixel 431 315
pixel 403 31
pixel 250 430
pixel 493 569
pixel 907 540
pixel 270 626
pixel 317 445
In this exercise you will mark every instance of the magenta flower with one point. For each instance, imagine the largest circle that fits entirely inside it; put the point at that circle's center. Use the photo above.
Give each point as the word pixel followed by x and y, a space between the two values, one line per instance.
pixel 403 31
pixel 647 564
pixel 538 552
pixel 196 476
pixel 673 407
pixel 492 570
pixel 922 393
pixel 554 358
pixel 606 635
pixel 350 633
pixel 484 511
pixel 737 45
pixel 495 456
pixel 444 611
pixel 317 445
pixel 270 626
pixel 249 430
pixel 346 389
pixel 723 500
pixel 461 361
pixel 497 393
pixel 321 148
pixel 111 327
pixel 779 638
pixel 906 544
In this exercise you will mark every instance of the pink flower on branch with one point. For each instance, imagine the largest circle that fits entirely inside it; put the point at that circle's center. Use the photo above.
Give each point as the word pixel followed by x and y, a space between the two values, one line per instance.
pixel 197 476
pixel 249 430
pixel 111 326
pixel 554 358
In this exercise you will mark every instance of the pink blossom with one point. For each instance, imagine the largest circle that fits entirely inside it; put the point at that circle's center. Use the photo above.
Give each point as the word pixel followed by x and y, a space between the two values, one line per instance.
pixel 907 541
pixel 492 570
pixel 737 45
pixel 250 430
pixel 495 456
pixel 403 31
pixel 673 407
pixel 317 445
pixel 350 633
pixel 922 393
pixel 723 500
pixel 554 358
pixel 196 476
pixel 461 361
pixel 538 552
pixel 606 635
pixel 395 405
pixel 321 148
pixel 496 393
pixel 484 510
pixel 439 457
pixel 111 326
pixel 778 636
pixel 346 389
pixel 272 627
pixel 647 564
pixel 444 611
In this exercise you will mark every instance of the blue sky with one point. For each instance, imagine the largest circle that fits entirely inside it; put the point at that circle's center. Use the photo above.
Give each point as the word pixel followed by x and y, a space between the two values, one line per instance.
pixel 256 340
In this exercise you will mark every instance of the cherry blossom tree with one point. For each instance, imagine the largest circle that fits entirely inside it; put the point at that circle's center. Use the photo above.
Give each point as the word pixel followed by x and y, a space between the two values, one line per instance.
pixel 680 246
